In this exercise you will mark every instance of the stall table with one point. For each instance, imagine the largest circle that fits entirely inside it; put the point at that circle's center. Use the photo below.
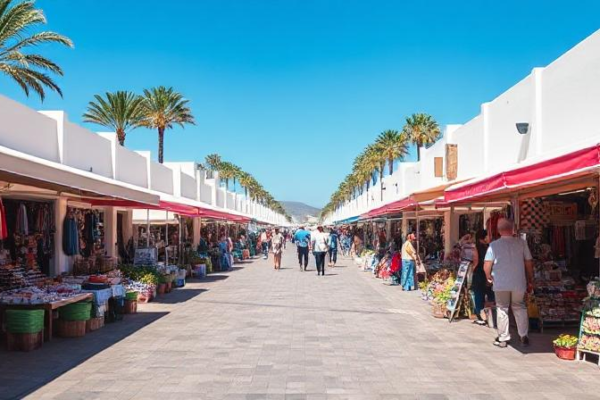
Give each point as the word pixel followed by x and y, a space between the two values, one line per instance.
pixel 48 308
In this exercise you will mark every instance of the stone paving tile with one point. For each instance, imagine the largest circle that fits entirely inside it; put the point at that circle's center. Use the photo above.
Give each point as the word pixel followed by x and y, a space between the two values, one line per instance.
pixel 256 333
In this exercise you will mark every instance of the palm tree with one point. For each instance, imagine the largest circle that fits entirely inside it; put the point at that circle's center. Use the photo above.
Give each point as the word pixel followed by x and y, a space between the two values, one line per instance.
pixel 163 108
pixel 392 146
pixel 246 181
pixel 29 71
pixel 422 130
pixel 119 111
pixel 226 172
pixel 213 161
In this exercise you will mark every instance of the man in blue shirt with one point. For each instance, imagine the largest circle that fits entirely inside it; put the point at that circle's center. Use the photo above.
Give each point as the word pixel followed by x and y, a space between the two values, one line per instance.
pixel 302 240
pixel 333 243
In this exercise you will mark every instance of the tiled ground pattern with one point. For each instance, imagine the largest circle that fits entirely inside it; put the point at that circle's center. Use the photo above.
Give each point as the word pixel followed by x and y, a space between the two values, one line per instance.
pixel 256 333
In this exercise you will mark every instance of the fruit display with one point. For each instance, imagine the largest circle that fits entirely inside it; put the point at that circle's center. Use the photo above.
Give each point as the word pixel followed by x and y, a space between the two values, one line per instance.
pixel 589 333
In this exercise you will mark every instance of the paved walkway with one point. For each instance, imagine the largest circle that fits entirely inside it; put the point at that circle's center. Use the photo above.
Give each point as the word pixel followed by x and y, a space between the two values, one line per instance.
pixel 256 333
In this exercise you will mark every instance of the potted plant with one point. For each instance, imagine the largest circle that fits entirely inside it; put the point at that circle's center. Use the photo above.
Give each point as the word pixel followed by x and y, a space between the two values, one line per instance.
pixel 565 346
pixel 162 285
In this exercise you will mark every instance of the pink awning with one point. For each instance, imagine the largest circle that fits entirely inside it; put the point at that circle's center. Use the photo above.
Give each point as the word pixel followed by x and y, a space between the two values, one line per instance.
pixel 559 169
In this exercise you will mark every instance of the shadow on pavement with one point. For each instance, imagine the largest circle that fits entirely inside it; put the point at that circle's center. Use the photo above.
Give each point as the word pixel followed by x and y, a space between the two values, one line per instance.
pixel 179 296
pixel 23 373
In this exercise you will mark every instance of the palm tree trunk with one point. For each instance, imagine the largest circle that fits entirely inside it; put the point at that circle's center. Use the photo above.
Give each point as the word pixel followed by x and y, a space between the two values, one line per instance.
pixel 391 165
pixel 121 137
pixel 368 187
pixel 161 144
pixel 418 151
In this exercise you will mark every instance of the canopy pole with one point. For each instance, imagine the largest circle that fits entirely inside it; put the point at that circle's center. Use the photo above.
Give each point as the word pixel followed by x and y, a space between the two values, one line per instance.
pixel 180 246
pixel 167 237
pixel 418 232
pixel 148 228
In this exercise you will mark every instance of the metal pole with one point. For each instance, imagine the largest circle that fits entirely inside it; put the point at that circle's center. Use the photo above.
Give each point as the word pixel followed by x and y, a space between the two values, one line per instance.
pixel 167 238
pixel 418 232
pixel 148 228
pixel 180 246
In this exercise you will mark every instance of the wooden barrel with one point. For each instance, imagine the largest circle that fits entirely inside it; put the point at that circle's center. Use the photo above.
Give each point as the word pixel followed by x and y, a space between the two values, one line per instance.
pixel 93 324
pixel 130 306
pixel 24 341
pixel 71 329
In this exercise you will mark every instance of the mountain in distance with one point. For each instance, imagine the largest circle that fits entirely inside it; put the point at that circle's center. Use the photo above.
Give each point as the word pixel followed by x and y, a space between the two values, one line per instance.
pixel 300 212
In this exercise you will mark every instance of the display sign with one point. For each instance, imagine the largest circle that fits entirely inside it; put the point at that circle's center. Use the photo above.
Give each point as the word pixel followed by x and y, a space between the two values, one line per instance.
pixel 146 256
pixel 458 290
pixel 451 161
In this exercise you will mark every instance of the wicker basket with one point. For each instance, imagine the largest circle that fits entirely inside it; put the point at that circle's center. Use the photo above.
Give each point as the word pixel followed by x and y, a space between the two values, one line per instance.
pixel 565 353
pixel 439 310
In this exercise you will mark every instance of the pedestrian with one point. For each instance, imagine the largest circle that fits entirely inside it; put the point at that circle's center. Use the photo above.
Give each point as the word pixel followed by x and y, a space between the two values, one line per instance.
pixel 277 247
pixel 509 267
pixel 334 244
pixel 264 242
pixel 319 247
pixel 302 240
pixel 224 248
pixel 479 284
pixel 409 262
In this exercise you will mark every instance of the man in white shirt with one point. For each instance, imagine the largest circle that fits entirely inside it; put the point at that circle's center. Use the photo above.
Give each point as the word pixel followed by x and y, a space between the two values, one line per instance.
pixel 319 246
pixel 509 266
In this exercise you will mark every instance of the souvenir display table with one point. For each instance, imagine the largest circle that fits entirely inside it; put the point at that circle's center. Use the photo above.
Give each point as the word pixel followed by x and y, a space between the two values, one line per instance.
pixel 48 307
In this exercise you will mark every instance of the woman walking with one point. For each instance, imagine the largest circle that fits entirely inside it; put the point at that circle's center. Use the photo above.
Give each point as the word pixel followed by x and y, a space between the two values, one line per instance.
pixel 479 285
pixel 277 242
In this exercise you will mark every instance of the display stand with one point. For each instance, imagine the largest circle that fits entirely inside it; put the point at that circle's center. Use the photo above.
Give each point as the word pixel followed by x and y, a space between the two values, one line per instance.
pixel 589 330
pixel 146 256
pixel 459 291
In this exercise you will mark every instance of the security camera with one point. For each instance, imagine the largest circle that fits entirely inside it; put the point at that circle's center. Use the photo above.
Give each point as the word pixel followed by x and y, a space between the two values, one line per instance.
pixel 523 127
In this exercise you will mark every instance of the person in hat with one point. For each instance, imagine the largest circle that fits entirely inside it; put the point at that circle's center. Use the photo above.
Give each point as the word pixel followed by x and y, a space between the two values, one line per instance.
pixel 409 262
pixel 319 246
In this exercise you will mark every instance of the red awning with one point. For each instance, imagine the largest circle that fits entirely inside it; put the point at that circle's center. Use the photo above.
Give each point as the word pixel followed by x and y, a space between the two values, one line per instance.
pixel 391 208
pixel 176 208
pixel 566 167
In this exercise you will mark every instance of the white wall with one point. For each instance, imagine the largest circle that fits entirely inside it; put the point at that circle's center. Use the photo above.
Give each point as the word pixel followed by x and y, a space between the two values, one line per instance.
pixel 162 178
pixel 86 150
pixel 571 96
pixel 469 139
pixel 188 186
pixel 28 131
pixel 131 167
pixel 505 145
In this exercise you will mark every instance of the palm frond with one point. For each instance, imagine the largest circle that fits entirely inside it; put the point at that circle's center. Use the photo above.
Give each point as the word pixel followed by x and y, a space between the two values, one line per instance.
pixel 16 19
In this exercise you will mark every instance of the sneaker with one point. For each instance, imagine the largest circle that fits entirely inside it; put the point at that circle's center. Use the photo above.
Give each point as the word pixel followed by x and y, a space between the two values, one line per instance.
pixel 525 341
pixel 500 344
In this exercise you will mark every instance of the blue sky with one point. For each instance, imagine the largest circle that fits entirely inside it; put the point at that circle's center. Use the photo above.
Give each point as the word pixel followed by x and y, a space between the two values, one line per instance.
pixel 291 91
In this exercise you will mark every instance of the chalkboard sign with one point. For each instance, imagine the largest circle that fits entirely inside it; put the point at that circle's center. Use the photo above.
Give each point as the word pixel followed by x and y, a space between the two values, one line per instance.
pixel 146 256
pixel 456 294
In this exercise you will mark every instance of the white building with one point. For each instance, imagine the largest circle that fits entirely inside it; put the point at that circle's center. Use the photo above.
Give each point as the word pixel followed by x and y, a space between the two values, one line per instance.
pixel 45 156
pixel 558 105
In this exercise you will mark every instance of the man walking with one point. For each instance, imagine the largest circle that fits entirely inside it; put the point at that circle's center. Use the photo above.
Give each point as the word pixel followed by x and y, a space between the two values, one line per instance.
pixel 333 242
pixel 302 240
pixel 319 246
pixel 509 266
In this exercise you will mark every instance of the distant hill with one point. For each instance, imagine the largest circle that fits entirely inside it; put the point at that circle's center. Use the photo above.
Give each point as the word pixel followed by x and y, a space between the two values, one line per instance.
pixel 300 212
